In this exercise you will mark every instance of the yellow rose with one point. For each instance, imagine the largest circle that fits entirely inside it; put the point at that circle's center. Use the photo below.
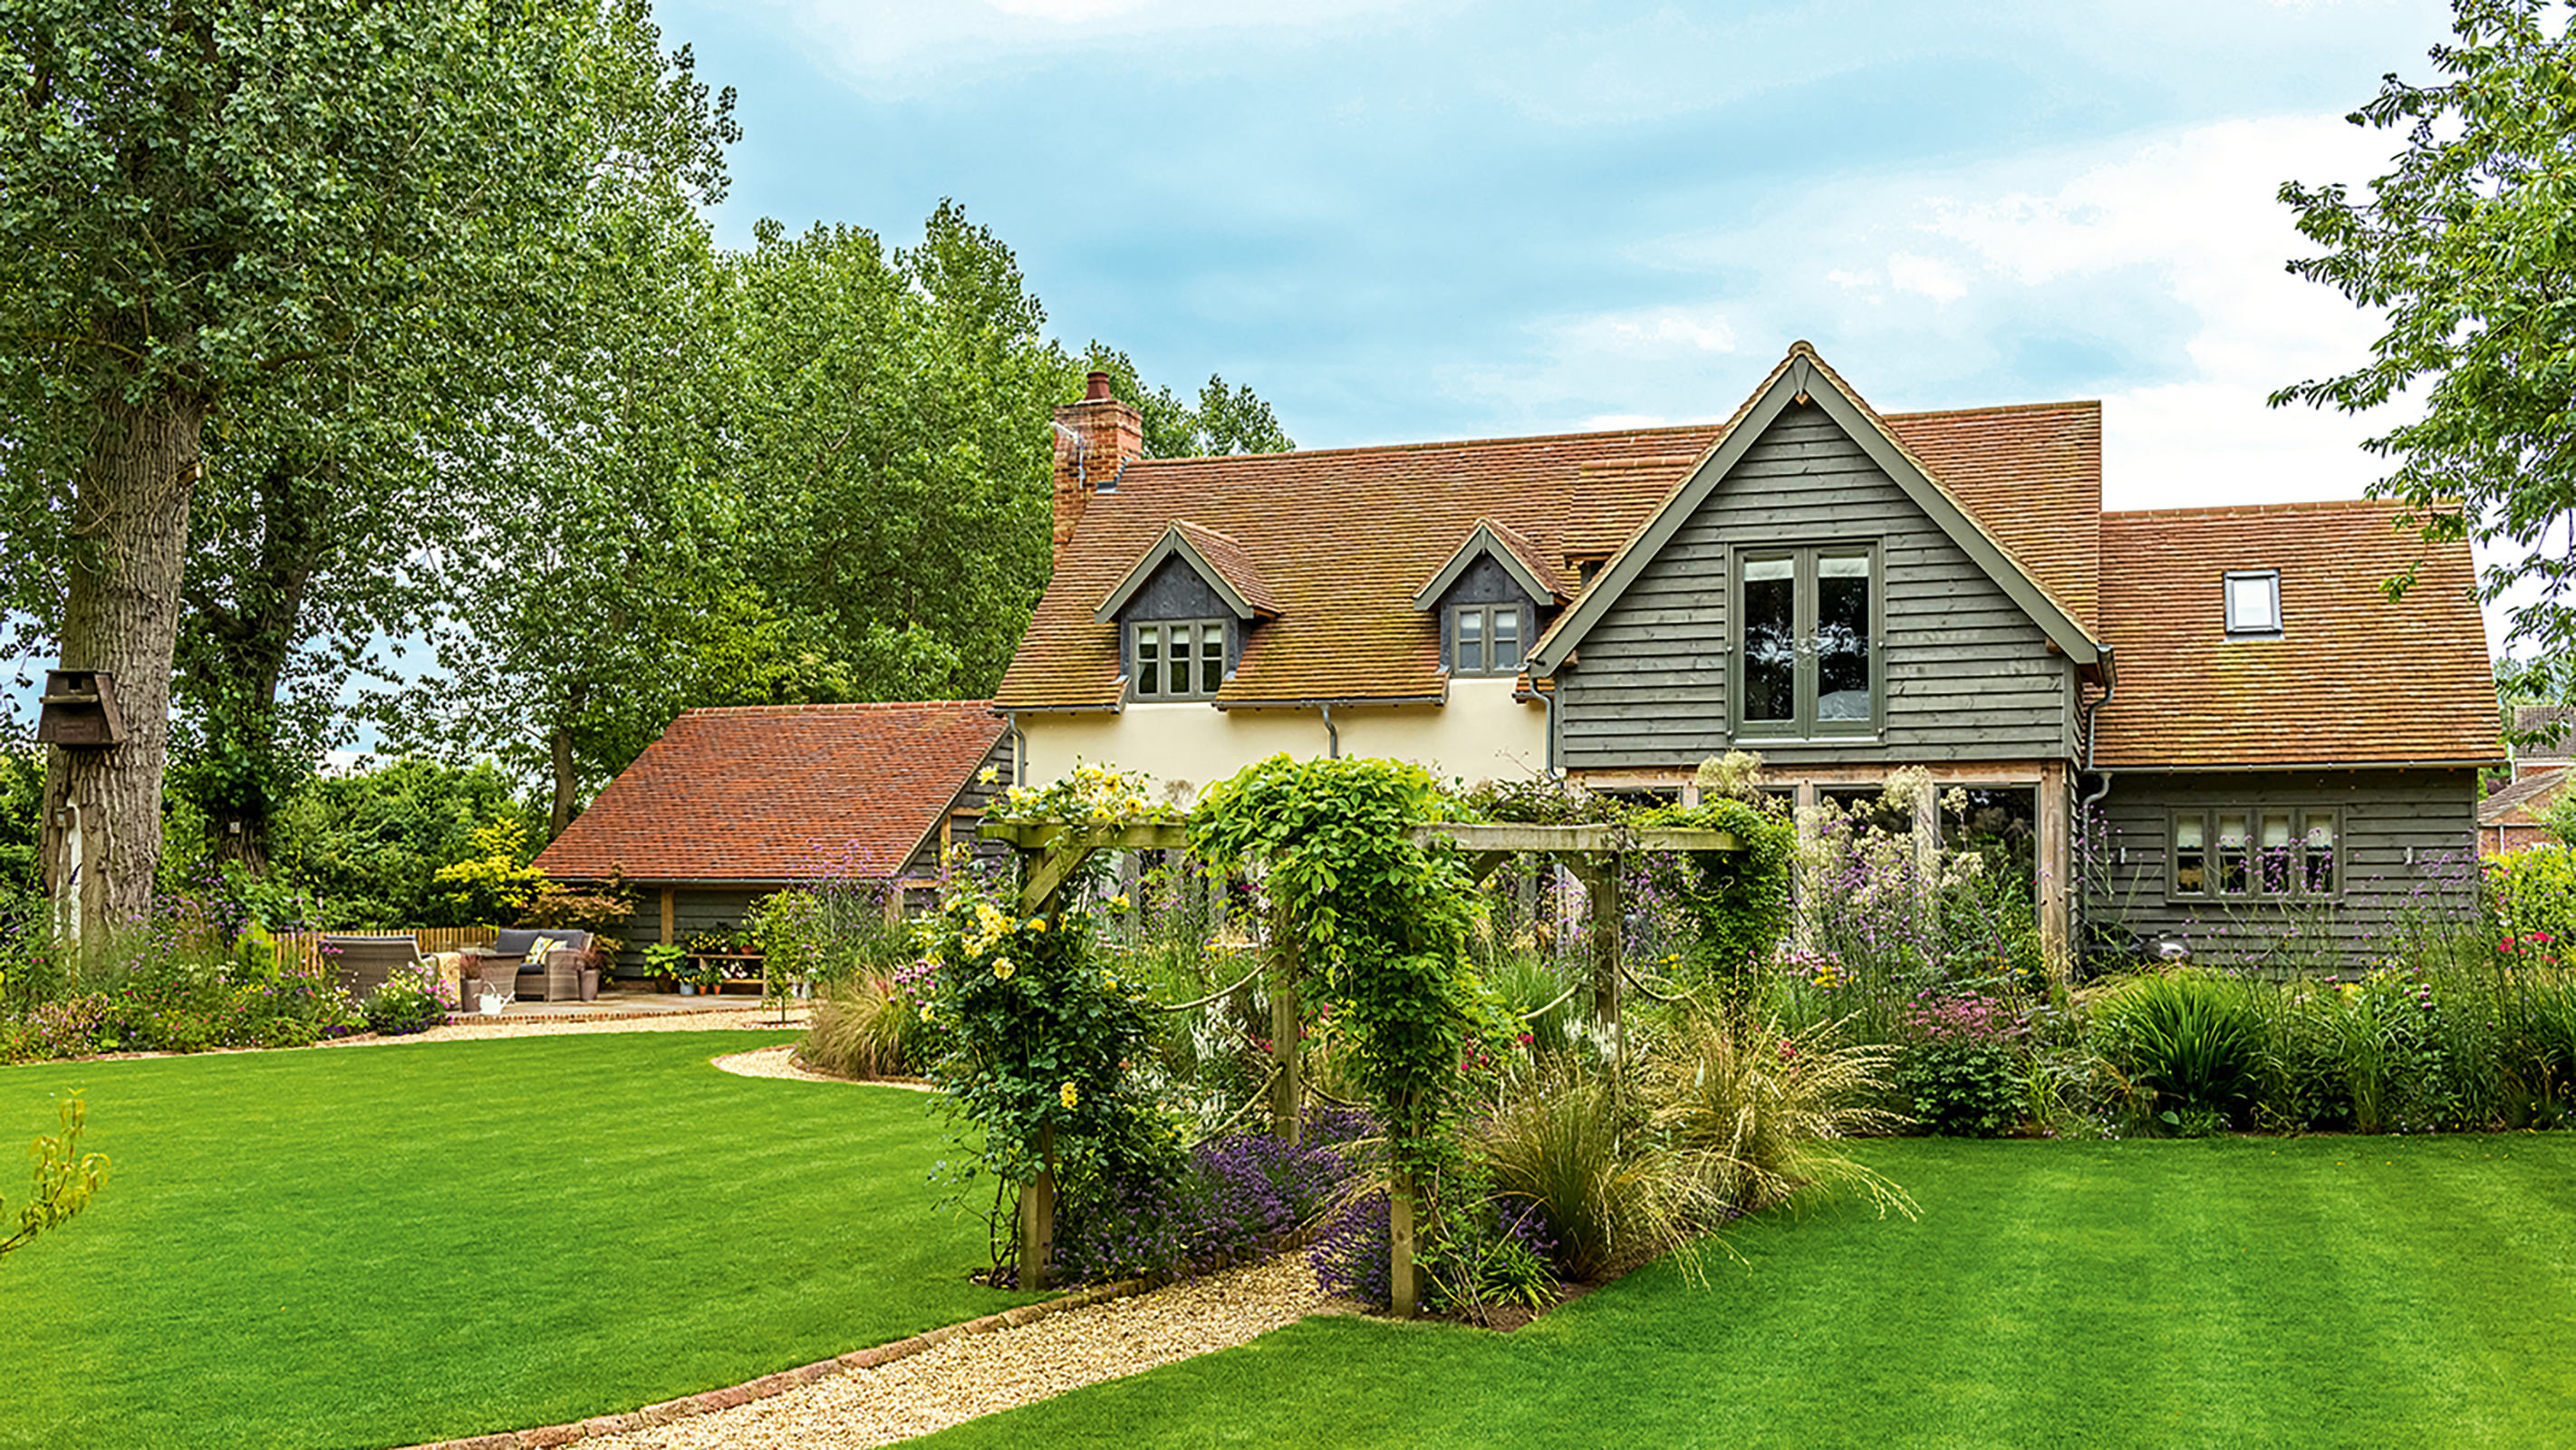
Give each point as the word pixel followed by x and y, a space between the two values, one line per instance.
pixel 1069 1096
pixel 1002 969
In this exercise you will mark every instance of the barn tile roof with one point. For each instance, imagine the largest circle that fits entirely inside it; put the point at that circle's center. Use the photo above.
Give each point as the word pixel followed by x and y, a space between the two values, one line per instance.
pixel 1343 537
pixel 2353 679
pixel 780 793
pixel 2523 802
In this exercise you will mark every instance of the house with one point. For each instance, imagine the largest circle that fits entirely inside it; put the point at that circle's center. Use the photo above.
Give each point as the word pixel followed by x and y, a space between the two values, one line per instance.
pixel 732 804
pixel 2516 813
pixel 2209 719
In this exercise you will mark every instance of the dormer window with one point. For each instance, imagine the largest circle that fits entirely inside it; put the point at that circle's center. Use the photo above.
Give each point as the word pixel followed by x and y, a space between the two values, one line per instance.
pixel 2254 604
pixel 1179 659
pixel 1485 639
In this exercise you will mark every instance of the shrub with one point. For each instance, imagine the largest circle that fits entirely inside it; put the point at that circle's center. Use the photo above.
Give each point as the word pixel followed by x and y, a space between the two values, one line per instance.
pixel 411 1000
pixel 1233 1197
pixel 1489 1252
pixel 1960 1069
pixel 1352 1254
pixel 2192 1039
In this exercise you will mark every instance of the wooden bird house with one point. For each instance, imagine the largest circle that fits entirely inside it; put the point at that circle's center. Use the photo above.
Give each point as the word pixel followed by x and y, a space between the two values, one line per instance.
pixel 80 711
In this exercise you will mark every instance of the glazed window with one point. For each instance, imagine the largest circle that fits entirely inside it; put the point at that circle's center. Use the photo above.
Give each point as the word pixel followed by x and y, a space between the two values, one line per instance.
pixel 1806 629
pixel 1181 659
pixel 1485 639
pixel 2269 853
pixel 2254 604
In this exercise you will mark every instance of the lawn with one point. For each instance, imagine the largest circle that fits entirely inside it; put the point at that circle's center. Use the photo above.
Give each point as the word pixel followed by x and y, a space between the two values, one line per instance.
pixel 381 1245
pixel 2324 1291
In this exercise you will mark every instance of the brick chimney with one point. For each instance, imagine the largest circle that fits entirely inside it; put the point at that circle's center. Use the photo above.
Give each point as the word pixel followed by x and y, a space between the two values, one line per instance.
pixel 1093 440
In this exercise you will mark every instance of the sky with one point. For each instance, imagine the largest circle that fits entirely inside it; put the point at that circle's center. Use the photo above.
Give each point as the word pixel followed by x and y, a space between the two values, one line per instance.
pixel 1401 220
pixel 1404 220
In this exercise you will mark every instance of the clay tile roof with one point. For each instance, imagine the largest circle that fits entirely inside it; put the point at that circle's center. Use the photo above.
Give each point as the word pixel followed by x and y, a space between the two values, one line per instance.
pixel 1343 537
pixel 2353 679
pixel 768 793
pixel 1229 559
pixel 2522 802
pixel 2534 719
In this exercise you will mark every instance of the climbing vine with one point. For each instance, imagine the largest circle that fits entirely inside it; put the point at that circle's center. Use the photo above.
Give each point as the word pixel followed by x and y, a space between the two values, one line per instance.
pixel 1738 901
pixel 1379 922
pixel 1038 1034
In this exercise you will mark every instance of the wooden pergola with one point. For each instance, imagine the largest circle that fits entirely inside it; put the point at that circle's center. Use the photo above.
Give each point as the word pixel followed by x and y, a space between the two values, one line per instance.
pixel 1051 853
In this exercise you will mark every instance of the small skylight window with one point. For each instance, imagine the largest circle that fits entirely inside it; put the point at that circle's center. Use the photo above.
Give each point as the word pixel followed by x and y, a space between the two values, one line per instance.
pixel 2254 603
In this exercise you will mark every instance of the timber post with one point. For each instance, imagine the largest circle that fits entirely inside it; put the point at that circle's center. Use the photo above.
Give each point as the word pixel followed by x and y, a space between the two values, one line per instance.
pixel 1404 1290
pixel 1037 1216
pixel 1287 1037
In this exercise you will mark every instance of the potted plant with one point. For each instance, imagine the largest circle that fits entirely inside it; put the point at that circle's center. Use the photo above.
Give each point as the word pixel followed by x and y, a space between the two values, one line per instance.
pixel 670 959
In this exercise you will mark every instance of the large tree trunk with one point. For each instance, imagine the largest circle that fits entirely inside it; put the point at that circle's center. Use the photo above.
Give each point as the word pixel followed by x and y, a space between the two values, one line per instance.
pixel 565 782
pixel 102 830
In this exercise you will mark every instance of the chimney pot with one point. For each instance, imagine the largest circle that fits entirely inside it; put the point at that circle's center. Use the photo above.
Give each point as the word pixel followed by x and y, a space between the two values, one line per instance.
pixel 1098 391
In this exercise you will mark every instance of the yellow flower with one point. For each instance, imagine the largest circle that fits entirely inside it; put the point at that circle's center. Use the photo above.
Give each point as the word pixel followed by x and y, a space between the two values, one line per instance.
pixel 925 1011
pixel 1118 902
pixel 1037 923
pixel 1069 1096
pixel 988 775
pixel 1002 969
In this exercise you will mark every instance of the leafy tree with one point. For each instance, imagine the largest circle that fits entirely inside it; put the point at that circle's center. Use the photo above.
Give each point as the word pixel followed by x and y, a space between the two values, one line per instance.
pixel 1226 419
pixel 2469 248
pixel 368 845
pixel 211 204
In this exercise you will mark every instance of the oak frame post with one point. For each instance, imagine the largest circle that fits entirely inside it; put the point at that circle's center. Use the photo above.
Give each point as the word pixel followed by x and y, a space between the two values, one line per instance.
pixel 1404 1285
pixel 1037 1216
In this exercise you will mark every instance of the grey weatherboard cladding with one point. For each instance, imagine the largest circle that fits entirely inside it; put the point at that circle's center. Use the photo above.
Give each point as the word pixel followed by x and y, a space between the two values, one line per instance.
pixel 2385 815
pixel 1968 674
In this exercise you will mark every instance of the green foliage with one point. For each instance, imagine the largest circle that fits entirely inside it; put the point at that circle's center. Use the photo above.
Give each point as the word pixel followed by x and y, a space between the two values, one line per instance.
pixel 368 845
pixel 867 1027
pixel 411 1000
pixel 2531 893
pixel 1484 1256
pixel 1738 901
pixel 2191 1039
pixel 1038 1043
pixel 306 252
pixel 1379 923
pixel 22 803
pixel 66 1178
pixel 496 882
pixel 2461 252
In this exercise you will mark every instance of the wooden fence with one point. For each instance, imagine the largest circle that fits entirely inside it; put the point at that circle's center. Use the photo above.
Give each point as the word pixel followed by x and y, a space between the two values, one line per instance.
pixel 305 947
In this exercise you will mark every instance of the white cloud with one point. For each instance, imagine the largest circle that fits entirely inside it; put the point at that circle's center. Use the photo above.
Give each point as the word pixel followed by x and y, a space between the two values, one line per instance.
pixel 2156 258
pixel 1928 276
pixel 1655 332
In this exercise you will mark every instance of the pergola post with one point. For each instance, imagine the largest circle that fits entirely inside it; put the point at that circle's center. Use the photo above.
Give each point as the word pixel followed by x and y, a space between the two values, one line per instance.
pixel 1037 1216
pixel 1287 1038
pixel 1404 1286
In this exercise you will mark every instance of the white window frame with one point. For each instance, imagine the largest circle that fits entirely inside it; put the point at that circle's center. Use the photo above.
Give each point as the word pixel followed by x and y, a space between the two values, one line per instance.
pixel 2238 629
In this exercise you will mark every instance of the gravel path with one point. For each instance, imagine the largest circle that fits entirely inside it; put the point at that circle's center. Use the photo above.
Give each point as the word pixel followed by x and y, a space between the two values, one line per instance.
pixel 977 1374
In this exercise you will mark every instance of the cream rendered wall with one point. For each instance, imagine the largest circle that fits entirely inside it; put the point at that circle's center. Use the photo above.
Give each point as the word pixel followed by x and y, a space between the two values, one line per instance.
pixel 1481 734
